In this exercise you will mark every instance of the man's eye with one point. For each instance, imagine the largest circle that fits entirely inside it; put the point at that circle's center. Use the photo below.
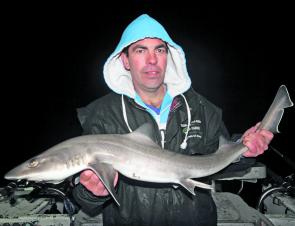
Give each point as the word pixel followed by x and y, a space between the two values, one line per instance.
pixel 139 51
pixel 161 50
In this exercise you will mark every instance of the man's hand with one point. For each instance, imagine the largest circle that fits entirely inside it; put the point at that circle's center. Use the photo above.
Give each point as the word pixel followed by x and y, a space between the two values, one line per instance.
pixel 257 141
pixel 92 182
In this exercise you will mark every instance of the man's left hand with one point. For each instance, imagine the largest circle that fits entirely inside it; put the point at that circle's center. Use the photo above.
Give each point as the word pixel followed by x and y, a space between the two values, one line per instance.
pixel 257 141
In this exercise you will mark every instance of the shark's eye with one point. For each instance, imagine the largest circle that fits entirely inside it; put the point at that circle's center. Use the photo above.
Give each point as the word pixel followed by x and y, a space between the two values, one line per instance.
pixel 33 163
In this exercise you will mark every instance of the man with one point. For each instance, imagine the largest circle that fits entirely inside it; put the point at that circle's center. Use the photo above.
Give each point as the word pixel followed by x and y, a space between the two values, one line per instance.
pixel 148 76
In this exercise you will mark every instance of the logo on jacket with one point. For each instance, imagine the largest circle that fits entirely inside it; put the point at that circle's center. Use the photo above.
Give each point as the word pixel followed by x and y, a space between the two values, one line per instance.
pixel 194 129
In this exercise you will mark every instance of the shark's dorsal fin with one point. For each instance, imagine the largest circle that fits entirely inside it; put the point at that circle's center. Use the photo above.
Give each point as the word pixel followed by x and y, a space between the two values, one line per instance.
pixel 223 141
pixel 146 130
pixel 144 134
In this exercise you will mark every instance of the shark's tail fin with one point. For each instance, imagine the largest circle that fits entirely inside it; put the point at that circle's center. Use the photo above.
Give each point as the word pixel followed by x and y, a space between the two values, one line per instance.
pixel 274 115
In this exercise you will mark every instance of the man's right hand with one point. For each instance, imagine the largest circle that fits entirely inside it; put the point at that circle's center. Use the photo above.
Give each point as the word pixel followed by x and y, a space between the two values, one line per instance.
pixel 92 182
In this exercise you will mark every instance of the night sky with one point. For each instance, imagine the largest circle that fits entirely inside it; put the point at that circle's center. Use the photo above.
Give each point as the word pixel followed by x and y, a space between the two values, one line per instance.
pixel 53 55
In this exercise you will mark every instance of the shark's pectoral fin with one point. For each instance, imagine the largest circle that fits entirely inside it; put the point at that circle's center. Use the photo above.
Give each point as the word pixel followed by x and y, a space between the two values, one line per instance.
pixel 107 174
pixel 190 185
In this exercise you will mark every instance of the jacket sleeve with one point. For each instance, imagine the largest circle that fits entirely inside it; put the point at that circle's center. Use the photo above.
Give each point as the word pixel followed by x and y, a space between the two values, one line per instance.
pixel 89 203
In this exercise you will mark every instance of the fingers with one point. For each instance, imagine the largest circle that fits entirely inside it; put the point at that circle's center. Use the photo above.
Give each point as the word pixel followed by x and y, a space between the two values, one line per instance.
pixel 116 179
pixel 92 182
pixel 256 145
pixel 257 141
pixel 253 129
pixel 268 136
pixel 85 175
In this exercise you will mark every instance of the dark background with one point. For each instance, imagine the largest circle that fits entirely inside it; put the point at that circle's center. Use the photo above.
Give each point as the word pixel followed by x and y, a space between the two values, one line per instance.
pixel 52 59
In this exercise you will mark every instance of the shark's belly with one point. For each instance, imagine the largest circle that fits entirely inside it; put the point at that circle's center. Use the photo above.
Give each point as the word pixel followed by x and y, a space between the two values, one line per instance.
pixel 149 171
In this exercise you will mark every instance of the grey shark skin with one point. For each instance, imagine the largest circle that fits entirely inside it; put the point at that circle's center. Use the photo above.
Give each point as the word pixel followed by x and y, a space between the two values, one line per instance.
pixel 137 156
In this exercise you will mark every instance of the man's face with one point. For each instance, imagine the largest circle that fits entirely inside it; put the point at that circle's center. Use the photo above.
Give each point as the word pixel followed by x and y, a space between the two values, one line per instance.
pixel 146 61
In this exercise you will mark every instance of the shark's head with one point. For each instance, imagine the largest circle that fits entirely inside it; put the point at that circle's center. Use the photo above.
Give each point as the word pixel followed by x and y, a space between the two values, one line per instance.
pixel 58 162
pixel 46 168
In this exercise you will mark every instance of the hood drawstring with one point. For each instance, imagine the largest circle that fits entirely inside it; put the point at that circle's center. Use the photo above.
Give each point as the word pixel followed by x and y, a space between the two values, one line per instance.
pixel 124 113
pixel 184 142
pixel 183 145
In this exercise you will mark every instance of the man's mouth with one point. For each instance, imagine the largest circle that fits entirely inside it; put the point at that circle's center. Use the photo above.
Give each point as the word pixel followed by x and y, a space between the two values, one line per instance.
pixel 152 73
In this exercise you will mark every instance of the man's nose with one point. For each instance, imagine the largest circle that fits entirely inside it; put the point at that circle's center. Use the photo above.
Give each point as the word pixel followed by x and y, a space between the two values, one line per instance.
pixel 152 58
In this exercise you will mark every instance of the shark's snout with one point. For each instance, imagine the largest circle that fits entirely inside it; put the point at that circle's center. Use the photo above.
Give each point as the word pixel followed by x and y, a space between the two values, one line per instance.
pixel 13 175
